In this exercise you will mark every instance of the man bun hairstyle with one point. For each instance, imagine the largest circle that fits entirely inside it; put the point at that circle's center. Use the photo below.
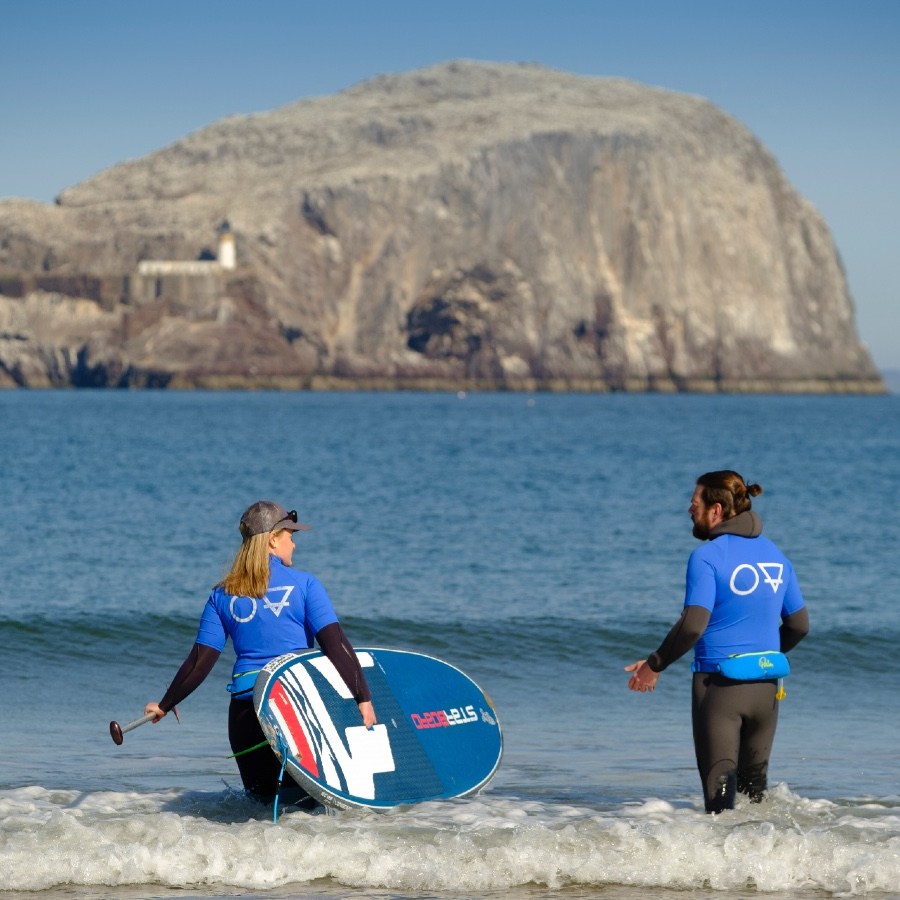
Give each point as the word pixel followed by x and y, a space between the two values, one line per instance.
pixel 728 489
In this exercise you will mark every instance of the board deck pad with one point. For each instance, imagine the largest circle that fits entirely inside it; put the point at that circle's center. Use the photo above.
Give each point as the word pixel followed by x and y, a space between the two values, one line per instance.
pixel 437 735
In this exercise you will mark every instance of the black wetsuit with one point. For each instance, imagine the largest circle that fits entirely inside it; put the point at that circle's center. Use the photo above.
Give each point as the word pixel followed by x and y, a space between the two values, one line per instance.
pixel 733 721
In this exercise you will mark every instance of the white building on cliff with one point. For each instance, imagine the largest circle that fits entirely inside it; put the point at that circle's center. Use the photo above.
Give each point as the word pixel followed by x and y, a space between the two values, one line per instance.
pixel 226 260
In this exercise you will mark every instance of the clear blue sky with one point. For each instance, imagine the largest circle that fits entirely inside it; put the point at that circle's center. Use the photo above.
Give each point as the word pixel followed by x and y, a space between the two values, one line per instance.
pixel 87 84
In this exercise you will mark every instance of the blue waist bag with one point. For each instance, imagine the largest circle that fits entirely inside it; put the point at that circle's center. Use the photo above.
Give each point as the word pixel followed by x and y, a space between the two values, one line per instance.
pixel 241 686
pixel 755 666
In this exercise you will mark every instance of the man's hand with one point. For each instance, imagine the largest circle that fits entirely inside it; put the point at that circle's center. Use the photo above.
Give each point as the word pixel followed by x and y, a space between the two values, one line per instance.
pixel 643 678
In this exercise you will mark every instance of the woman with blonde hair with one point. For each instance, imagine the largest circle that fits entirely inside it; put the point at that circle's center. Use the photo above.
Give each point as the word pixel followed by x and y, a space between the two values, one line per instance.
pixel 267 609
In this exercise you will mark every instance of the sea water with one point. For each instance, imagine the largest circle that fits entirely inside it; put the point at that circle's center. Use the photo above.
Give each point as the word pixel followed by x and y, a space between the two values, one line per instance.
pixel 538 542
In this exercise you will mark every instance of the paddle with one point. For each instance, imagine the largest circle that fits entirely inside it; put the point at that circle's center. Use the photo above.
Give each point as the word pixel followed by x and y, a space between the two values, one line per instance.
pixel 117 731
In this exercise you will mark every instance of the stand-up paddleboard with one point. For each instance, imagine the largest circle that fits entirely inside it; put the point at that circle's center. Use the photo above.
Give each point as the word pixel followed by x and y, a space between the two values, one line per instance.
pixel 437 734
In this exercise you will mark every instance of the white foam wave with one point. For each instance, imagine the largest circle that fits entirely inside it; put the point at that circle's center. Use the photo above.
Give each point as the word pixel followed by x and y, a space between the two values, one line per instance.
pixel 492 843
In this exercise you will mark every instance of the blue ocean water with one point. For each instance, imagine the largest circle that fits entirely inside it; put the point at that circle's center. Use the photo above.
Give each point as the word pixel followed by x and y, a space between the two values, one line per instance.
pixel 538 542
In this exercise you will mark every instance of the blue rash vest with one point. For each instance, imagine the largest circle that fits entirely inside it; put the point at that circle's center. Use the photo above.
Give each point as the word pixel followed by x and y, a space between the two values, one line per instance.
pixel 294 609
pixel 748 584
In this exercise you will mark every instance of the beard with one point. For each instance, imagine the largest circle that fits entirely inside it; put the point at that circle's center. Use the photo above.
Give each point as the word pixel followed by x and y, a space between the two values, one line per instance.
pixel 701 530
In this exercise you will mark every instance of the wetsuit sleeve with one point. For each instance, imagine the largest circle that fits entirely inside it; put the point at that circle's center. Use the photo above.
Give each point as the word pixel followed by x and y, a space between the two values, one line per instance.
pixel 190 676
pixel 337 648
pixel 794 628
pixel 681 637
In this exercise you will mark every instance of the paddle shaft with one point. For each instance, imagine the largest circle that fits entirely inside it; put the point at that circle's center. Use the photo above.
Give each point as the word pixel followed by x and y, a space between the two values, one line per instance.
pixel 117 731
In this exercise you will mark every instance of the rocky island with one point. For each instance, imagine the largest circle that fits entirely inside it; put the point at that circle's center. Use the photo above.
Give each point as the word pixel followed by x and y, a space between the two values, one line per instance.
pixel 466 226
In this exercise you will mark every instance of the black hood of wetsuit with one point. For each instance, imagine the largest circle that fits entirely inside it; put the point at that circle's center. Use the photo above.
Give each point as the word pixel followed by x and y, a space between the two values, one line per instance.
pixel 746 524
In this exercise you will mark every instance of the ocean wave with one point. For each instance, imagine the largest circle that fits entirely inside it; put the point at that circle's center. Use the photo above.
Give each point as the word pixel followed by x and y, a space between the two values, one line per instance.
pixel 476 847
pixel 498 643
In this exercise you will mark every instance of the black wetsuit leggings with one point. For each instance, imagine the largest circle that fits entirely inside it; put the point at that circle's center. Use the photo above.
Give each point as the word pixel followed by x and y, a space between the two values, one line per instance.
pixel 259 768
pixel 734 727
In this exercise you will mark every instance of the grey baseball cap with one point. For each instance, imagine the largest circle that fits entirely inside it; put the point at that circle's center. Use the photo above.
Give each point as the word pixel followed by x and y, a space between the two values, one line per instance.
pixel 267 515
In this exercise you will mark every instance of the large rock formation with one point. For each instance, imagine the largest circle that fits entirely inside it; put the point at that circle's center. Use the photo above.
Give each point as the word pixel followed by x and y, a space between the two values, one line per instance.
pixel 461 226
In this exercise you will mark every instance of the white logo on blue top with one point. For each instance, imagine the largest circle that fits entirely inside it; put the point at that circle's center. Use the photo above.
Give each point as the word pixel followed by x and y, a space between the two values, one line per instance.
pixel 743 584
pixel 232 608
pixel 282 603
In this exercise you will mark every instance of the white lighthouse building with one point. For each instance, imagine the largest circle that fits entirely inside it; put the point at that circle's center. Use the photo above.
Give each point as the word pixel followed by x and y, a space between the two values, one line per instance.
pixel 186 278
pixel 225 260
pixel 226 252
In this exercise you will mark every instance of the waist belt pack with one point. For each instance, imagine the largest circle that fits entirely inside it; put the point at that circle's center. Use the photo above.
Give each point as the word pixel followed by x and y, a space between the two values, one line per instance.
pixel 755 666
pixel 241 685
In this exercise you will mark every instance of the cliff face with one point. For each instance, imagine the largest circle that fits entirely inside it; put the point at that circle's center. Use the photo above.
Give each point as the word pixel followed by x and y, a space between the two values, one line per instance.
pixel 465 225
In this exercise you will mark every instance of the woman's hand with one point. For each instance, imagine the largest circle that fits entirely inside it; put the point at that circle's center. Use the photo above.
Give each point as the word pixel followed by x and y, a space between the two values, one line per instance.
pixel 367 711
pixel 152 709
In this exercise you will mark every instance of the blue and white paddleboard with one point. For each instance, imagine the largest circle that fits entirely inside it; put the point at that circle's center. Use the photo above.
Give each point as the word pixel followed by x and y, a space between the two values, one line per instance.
pixel 437 734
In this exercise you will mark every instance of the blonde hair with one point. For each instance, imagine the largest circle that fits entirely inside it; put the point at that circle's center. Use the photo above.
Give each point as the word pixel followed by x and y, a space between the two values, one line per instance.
pixel 249 573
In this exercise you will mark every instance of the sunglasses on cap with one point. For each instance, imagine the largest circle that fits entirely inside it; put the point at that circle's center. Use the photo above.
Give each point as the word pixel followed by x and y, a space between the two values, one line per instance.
pixel 291 516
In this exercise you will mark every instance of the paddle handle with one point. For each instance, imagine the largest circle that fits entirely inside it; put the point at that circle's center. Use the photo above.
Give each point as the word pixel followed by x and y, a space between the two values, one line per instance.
pixel 117 731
